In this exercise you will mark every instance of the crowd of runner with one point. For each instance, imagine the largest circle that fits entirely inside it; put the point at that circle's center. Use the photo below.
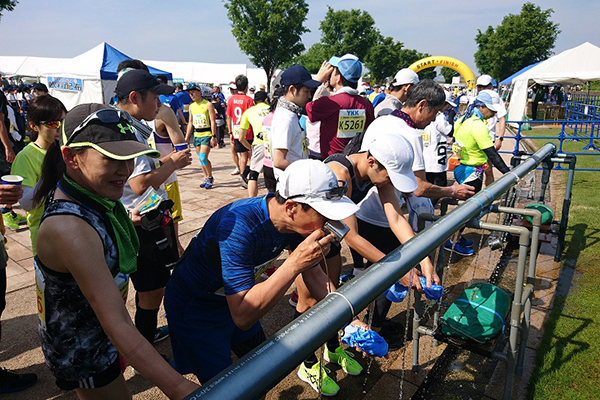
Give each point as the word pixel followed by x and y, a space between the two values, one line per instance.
pixel 101 181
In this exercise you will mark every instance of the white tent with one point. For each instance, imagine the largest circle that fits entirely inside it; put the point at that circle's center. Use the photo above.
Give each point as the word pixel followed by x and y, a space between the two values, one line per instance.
pixel 577 65
pixel 25 65
pixel 200 72
pixel 256 77
pixel 90 77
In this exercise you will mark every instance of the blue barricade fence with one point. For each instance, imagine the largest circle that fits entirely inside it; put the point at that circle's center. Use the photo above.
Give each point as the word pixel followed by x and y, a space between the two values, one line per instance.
pixel 567 133
pixel 581 111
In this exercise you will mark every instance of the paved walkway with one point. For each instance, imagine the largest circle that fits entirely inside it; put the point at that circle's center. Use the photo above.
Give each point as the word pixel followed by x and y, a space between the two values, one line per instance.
pixel 20 350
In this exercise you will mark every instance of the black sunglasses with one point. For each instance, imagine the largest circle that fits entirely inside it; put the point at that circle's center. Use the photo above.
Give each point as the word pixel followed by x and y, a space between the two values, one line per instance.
pixel 335 193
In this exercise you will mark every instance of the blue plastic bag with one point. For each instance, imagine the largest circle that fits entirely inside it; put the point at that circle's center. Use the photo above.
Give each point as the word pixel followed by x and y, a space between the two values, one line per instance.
pixel 432 293
pixel 398 292
pixel 368 341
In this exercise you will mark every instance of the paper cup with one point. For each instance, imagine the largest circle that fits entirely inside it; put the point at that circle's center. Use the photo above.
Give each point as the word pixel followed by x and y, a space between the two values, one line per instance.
pixel 181 146
pixel 12 180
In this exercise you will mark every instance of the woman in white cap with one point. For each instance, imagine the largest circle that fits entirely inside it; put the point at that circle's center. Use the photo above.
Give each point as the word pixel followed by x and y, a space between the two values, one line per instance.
pixel 87 248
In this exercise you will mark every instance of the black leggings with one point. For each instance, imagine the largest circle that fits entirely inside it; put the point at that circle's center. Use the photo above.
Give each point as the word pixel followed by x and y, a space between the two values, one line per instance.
pixel 385 240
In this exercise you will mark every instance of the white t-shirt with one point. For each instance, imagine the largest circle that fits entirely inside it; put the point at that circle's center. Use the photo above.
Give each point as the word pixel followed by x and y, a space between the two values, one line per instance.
pixel 287 134
pixel 395 125
pixel 370 208
pixel 435 144
pixel 142 165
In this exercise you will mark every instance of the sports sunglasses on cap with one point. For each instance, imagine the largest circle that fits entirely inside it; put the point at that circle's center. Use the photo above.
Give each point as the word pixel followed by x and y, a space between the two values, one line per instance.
pixel 106 116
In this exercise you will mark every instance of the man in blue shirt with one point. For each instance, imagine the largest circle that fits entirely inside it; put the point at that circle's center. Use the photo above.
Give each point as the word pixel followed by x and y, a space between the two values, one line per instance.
pixel 213 301
pixel 171 100
pixel 184 102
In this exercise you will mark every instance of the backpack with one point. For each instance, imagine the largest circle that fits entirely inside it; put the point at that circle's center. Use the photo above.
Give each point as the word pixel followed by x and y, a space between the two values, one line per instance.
pixel 478 314
pixel 353 146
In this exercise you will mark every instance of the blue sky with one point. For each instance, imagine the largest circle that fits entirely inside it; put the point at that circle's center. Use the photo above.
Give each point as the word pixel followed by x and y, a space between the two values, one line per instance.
pixel 188 30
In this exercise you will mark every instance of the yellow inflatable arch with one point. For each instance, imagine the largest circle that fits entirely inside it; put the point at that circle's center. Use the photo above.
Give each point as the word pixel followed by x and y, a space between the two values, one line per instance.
pixel 448 62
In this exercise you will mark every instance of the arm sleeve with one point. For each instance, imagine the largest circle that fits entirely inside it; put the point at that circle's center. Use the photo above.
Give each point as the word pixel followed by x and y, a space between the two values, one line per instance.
pixel 27 200
pixel 320 92
pixel 496 160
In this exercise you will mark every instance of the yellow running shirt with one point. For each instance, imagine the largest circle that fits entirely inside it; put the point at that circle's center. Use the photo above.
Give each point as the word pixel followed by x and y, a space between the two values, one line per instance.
pixel 200 119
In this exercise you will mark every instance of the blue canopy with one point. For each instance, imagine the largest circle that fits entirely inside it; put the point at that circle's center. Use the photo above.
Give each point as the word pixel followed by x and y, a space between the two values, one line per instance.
pixel 112 58
pixel 508 80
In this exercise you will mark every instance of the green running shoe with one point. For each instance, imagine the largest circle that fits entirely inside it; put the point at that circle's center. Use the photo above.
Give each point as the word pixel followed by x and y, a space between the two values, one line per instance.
pixel 311 376
pixel 343 358
pixel 12 220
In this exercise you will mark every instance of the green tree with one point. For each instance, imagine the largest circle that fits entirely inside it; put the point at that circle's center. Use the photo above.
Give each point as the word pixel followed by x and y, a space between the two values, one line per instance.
pixel 312 58
pixel 384 58
pixel 520 40
pixel 448 74
pixel 483 58
pixel 269 31
pixel 8 5
pixel 409 56
pixel 349 31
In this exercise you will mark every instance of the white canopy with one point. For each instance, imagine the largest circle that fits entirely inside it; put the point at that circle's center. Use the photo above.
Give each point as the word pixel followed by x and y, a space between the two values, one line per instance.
pixel 576 66
pixel 256 77
pixel 24 65
pixel 199 71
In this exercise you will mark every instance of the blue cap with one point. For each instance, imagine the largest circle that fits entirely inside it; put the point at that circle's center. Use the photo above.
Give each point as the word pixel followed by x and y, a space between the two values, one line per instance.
pixel 349 65
pixel 486 99
pixel 297 74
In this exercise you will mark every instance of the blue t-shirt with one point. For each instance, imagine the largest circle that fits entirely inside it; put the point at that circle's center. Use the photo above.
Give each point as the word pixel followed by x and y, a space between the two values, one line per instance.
pixel 170 100
pixel 234 247
pixel 184 101
pixel 378 99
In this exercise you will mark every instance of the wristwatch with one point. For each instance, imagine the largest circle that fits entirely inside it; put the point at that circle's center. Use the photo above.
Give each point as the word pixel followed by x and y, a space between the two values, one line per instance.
pixel 500 138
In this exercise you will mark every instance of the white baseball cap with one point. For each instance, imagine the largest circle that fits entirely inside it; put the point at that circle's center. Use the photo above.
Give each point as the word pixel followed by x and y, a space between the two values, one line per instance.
pixel 405 76
pixel 396 154
pixel 495 96
pixel 314 183
pixel 449 99
pixel 484 80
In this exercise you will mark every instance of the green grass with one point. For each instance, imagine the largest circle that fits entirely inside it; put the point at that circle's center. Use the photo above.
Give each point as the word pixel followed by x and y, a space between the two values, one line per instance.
pixel 568 358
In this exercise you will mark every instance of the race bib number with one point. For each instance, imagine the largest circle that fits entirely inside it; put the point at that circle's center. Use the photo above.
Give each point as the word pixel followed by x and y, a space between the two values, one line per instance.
pixel 236 132
pixel 351 123
pixel 267 142
pixel 457 149
pixel 40 290
pixel 426 138
pixel 304 147
pixel 199 121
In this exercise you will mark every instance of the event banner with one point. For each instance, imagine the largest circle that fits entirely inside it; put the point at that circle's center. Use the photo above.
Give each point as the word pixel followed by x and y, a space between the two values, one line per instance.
pixel 66 84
